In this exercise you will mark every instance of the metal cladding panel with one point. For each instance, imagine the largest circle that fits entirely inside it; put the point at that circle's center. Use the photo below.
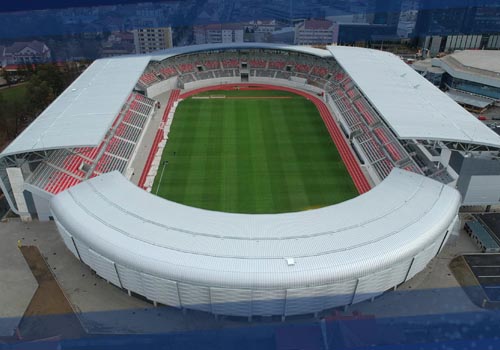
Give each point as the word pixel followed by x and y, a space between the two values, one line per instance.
pixel 398 274
pixel 305 300
pixel 483 189
pixel 235 302
pixel 130 279
pixel 372 285
pixel 195 297
pixel 268 302
pixel 422 259
pixel 319 298
pixel 101 265
pixel 339 294
pixel 161 290
pixel 67 239
pixel 104 268
pixel 83 250
pixel 141 219
pixel 437 245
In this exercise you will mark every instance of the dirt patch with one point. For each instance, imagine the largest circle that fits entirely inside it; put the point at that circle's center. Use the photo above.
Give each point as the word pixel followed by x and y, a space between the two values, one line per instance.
pixel 467 281
pixel 49 312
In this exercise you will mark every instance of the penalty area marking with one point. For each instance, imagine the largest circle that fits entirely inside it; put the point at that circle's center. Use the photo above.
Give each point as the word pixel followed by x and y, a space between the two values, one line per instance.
pixel 241 97
pixel 207 97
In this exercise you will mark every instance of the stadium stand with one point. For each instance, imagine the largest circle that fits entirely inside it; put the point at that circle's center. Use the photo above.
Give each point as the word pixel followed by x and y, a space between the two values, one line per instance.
pixel 212 64
pixel 186 67
pixel 374 249
pixel 303 68
pixel 67 167
pixel 366 126
pixel 149 78
pixel 231 63
pixel 320 71
pixel 257 63
pixel 279 65
pixel 168 72
pixel 365 112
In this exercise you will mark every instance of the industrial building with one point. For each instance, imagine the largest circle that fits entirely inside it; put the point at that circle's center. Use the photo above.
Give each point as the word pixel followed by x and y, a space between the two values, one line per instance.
pixel 470 77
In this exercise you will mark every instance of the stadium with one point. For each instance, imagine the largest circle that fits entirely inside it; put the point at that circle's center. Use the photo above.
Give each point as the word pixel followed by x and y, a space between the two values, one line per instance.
pixel 253 179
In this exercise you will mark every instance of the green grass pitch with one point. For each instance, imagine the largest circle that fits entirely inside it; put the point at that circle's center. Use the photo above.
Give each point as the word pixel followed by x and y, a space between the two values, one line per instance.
pixel 254 151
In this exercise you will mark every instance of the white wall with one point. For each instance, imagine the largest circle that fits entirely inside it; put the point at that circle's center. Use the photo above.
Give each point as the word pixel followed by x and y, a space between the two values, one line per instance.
pixel 161 87
pixel 211 82
pixel 16 180
pixel 42 207
pixel 256 80
pixel 483 190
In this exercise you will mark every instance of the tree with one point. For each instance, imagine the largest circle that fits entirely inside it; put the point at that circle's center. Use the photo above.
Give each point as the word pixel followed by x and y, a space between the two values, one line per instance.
pixel 12 119
pixel 3 122
pixel 40 94
pixel 46 82
pixel 51 74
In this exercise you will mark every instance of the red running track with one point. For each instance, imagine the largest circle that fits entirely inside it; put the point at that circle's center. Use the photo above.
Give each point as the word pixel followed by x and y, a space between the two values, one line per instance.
pixel 352 165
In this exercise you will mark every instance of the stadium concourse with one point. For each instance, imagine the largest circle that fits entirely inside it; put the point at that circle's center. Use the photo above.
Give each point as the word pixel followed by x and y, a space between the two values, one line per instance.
pixel 74 165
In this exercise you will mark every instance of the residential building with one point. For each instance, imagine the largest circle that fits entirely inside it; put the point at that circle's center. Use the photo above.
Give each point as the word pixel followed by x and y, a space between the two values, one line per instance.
pixel 24 52
pixel 259 26
pixel 152 39
pixel 316 32
pixel 118 43
pixel 219 33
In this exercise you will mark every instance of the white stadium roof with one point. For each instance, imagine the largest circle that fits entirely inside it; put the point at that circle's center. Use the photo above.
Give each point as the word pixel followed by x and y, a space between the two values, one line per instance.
pixel 412 106
pixel 164 54
pixel 134 228
pixel 84 112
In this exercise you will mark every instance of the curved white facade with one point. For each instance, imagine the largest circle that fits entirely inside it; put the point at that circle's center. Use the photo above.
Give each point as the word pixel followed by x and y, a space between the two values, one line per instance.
pixel 244 265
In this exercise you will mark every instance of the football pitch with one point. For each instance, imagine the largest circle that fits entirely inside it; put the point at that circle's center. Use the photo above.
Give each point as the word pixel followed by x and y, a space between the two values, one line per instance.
pixel 251 151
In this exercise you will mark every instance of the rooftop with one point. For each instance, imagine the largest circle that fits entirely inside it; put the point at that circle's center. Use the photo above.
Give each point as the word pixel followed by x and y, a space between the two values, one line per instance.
pixel 487 60
pixel 412 106
pixel 20 45
pixel 223 26
pixel 474 65
pixel 315 24
pixel 84 112
pixel 469 99
pixel 252 250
